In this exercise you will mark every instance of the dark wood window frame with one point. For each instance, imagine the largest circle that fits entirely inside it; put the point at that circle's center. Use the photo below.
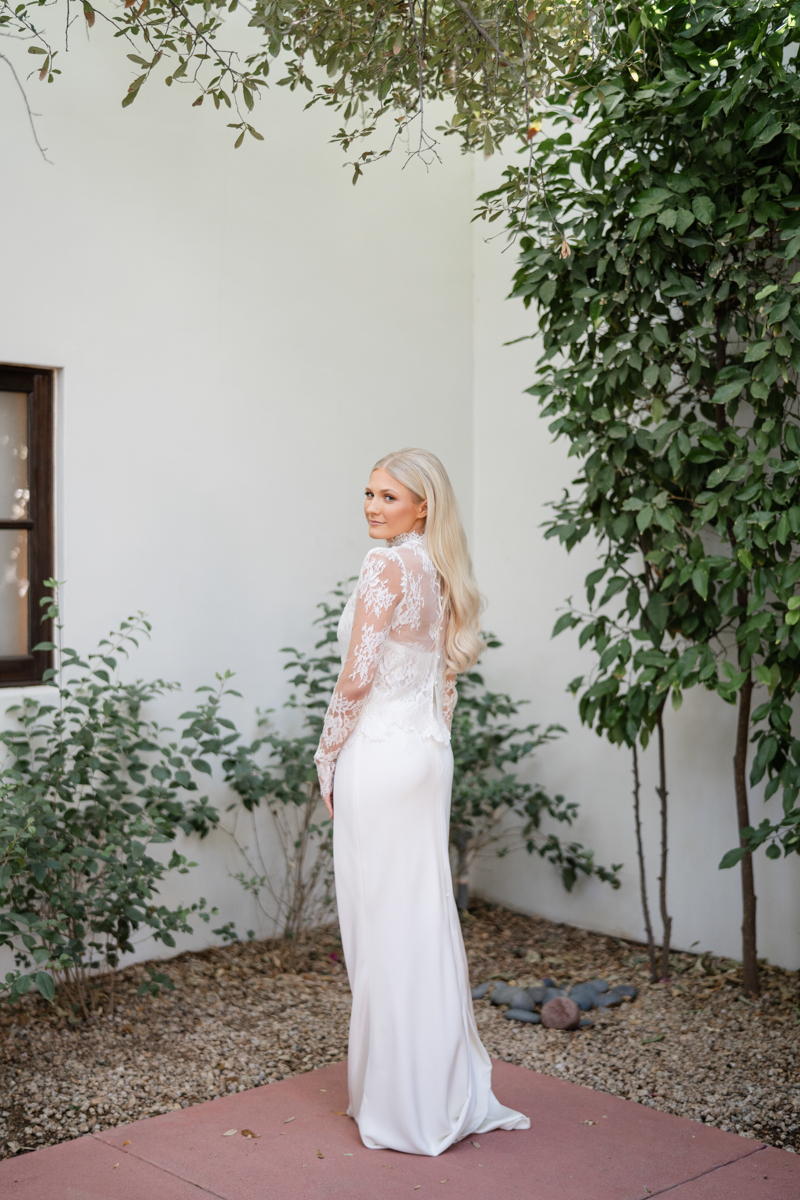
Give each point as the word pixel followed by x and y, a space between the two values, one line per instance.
pixel 38 384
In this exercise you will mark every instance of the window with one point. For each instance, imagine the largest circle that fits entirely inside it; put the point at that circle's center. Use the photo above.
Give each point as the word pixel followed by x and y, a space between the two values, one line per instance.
pixel 26 520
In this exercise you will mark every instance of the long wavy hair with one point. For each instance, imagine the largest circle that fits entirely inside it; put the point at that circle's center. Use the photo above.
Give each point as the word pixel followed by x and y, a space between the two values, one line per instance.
pixel 446 543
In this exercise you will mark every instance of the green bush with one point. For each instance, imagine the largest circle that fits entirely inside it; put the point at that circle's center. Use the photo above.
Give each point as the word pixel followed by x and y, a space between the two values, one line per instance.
pixel 88 786
pixel 485 791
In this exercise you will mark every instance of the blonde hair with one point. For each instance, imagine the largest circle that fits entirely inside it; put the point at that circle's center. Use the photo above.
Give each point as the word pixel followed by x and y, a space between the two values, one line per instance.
pixel 446 543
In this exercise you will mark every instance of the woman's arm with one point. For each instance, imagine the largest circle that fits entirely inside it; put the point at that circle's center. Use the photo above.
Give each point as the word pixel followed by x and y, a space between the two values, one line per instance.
pixel 380 589
pixel 449 699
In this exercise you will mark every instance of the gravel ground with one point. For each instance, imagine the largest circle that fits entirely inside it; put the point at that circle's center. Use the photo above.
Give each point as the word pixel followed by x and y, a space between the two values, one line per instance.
pixel 249 1014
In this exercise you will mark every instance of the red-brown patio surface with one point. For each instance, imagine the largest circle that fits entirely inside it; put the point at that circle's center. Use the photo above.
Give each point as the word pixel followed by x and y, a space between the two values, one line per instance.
pixel 582 1145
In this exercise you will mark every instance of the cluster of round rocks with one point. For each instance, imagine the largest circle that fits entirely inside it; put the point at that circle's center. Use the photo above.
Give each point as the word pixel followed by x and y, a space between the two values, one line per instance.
pixel 557 1008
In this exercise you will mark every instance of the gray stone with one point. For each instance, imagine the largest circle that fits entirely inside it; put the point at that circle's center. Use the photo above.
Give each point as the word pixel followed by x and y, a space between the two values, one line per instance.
pixel 585 996
pixel 609 1000
pixel 626 989
pixel 599 985
pixel 538 994
pixel 522 999
pixel 586 1024
pixel 552 993
pixel 522 1014
pixel 561 1013
pixel 480 991
pixel 501 993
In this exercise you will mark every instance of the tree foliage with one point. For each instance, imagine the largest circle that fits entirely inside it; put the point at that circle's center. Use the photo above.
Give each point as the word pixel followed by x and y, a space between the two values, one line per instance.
pixel 672 350
pixel 485 791
pixel 363 58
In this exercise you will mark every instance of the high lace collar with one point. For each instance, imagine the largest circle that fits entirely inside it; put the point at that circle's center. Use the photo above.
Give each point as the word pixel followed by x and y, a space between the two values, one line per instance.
pixel 405 539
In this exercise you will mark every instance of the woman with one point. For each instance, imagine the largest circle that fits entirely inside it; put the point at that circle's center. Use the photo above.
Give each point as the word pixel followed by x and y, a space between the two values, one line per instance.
pixel 419 1077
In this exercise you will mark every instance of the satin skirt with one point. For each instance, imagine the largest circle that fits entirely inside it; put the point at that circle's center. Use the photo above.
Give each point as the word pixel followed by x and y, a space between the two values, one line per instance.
pixel 419 1077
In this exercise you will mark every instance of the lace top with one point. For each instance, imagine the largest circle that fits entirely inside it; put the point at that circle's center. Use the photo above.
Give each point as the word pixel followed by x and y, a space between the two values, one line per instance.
pixel 391 635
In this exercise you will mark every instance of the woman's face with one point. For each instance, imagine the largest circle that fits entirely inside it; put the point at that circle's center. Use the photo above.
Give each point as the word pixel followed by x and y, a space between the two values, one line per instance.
pixel 390 508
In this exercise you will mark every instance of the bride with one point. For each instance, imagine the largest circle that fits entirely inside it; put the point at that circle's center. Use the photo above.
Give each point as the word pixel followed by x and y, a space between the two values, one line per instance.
pixel 418 1074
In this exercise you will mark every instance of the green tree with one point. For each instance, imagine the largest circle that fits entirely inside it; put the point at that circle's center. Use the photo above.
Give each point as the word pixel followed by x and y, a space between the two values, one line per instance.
pixel 663 263
pixel 363 58
pixel 485 791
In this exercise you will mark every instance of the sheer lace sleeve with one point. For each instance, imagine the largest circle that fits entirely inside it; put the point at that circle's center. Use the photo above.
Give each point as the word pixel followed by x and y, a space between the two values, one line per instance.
pixel 381 587
pixel 449 699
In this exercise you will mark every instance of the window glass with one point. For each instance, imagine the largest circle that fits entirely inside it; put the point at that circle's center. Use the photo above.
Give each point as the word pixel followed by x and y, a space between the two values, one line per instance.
pixel 13 592
pixel 14 489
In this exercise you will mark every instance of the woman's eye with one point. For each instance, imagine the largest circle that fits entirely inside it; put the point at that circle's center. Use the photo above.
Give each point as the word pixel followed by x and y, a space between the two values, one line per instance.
pixel 389 497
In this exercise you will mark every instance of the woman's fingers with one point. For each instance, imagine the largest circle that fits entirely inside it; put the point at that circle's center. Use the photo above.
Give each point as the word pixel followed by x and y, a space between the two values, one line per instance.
pixel 329 805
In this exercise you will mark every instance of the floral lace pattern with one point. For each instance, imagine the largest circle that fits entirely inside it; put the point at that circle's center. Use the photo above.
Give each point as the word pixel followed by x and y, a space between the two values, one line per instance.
pixel 449 699
pixel 391 635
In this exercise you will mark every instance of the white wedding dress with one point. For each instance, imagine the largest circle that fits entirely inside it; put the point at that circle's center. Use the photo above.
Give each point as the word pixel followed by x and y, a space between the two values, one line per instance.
pixel 418 1074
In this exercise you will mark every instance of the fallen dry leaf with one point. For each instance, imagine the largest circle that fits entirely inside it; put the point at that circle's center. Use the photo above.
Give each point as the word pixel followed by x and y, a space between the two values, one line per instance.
pixel 338 1113
pixel 442 1181
pixel 320 1154
pixel 477 1145
pixel 249 1133
pixel 288 1119
pixel 229 1132
pixel 126 1143
pixel 115 1166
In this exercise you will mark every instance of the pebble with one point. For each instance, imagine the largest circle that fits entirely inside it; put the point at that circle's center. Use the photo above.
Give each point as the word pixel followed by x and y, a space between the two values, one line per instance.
pixel 522 1014
pixel 537 994
pixel 585 996
pixel 501 993
pixel 609 1000
pixel 480 991
pixel 561 1013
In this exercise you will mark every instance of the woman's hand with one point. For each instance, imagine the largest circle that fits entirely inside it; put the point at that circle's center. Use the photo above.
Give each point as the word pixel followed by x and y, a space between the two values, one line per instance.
pixel 329 805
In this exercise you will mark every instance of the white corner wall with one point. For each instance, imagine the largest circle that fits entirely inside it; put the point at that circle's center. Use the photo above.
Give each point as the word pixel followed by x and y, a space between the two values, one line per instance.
pixel 518 470
pixel 239 336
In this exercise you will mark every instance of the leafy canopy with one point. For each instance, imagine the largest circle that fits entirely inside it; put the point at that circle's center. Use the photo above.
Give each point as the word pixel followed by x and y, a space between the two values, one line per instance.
pixel 363 58
pixel 672 349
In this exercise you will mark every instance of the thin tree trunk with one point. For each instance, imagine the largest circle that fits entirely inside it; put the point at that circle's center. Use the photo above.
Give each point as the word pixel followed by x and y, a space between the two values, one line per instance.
pixel 750 980
pixel 651 946
pixel 661 791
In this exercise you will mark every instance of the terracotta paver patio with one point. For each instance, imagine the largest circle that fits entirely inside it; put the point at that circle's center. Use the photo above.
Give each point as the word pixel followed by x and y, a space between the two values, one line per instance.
pixel 582 1145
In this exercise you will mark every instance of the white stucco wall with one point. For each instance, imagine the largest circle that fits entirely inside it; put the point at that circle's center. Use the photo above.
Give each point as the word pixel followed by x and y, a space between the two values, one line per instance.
pixel 239 335
pixel 518 470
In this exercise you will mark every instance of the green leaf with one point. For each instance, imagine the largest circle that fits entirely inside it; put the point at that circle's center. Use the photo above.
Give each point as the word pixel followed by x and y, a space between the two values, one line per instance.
pixel 704 209
pixel 658 611
pixel 719 474
pixel 45 985
pixel 700 581
pixel 728 392
pixel 732 857
pixel 644 517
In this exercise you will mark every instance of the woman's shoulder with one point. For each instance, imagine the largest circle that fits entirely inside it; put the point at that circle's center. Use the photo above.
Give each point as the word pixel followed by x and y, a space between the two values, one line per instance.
pixel 380 558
